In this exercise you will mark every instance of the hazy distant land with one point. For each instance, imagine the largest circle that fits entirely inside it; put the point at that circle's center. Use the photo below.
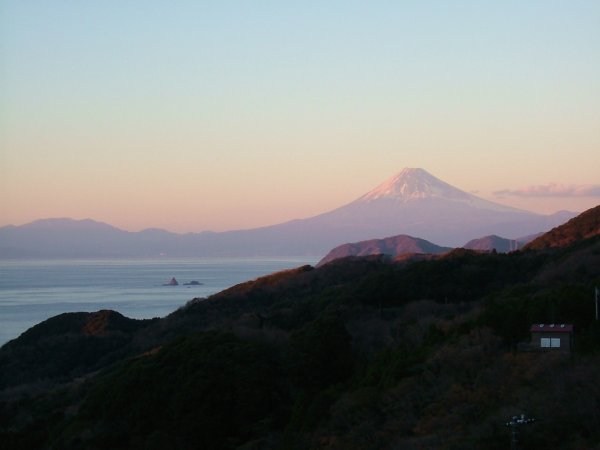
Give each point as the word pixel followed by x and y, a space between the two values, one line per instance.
pixel 413 202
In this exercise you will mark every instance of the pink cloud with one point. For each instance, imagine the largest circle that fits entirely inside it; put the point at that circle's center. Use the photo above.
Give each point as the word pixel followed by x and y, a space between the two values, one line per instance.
pixel 552 190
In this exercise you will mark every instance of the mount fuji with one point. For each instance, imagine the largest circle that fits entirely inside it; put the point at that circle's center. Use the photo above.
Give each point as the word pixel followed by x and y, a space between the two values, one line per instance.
pixel 413 202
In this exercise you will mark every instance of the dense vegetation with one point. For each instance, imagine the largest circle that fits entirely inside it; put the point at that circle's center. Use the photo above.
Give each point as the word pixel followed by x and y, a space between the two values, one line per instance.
pixel 362 353
pixel 584 226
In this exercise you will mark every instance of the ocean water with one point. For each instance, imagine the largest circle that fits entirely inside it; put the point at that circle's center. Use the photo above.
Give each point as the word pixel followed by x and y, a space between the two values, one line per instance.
pixel 34 290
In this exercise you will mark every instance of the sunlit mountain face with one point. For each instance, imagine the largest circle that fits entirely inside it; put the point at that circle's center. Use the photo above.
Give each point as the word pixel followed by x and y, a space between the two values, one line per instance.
pixel 412 202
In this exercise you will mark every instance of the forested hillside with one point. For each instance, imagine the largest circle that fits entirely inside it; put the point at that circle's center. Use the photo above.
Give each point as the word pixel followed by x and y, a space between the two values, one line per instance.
pixel 361 353
pixel 581 227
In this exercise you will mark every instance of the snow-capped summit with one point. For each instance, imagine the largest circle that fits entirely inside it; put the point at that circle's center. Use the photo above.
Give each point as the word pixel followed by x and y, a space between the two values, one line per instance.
pixel 412 184
pixel 413 203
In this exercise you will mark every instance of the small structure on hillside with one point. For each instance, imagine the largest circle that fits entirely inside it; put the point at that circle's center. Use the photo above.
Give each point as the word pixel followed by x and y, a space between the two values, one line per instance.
pixel 552 337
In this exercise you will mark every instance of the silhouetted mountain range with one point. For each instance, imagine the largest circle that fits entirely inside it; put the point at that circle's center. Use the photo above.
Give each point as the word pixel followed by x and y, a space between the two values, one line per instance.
pixel 413 202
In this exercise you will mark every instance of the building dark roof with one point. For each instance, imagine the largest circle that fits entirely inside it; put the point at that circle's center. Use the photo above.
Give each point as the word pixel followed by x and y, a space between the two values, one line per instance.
pixel 552 328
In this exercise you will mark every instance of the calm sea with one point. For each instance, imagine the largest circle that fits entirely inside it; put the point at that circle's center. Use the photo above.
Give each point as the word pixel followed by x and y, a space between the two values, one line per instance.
pixel 32 291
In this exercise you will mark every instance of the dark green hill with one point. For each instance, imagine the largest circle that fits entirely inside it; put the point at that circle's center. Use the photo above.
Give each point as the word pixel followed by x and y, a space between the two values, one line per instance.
pixel 67 346
pixel 361 353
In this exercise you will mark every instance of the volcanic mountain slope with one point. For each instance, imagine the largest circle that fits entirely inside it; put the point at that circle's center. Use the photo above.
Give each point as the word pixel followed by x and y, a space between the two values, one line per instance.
pixel 413 184
pixel 413 202
pixel 416 203
pixel 392 246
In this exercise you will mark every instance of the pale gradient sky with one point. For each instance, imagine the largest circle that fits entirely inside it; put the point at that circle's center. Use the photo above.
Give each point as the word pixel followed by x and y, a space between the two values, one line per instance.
pixel 192 115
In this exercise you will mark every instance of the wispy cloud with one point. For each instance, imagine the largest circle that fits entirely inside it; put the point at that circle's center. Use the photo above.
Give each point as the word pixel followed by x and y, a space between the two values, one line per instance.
pixel 552 190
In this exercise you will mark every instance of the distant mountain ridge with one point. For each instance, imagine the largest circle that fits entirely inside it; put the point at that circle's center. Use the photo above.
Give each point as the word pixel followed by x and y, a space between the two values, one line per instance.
pixel 415 203
pixel 497 243
pixel 391 246
pixel 412 202
pixel 67 224
pixel 405 247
